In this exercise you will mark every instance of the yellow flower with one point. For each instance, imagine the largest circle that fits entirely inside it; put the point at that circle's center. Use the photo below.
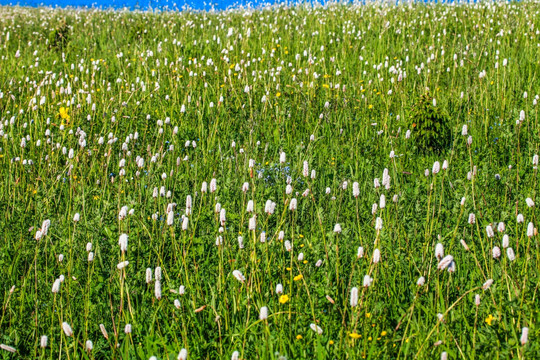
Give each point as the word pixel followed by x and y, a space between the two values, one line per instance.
pixel 283 299
pixel 355 335
pixel 64 113
pixel 489 319
pixel 298 277
pixel 368 315
pixel 288 269
pixel 384 333
pixel 298 337
pixel 331 342
pixel 305 261
pixel 278 94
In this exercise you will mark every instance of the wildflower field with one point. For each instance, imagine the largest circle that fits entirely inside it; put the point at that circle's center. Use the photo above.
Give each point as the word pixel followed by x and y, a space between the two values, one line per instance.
pixel 349 181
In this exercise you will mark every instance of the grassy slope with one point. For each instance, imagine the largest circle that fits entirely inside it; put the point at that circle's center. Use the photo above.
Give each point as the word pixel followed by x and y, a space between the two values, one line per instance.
pixel 326 72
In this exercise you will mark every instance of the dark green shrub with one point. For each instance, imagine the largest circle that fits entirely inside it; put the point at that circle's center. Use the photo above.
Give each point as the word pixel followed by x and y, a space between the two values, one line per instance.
pixel 59 37
pixel 429 125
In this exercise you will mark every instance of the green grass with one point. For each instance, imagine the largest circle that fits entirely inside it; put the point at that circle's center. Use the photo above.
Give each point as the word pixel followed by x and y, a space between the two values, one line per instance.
pixel 340 85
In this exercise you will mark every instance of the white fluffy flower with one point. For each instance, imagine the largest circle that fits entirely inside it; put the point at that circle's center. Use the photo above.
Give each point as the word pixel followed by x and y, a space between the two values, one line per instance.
pixel 67 329
pixel 489 231
pixel 43 341
pixel 510 253
pixel 439 251
pixel 524 335
pixel 238 275
pixel 487 284
pixel 530 229
pixel 123 242
pixel 367 280
pixel 445 262
pixel 356 189
pixel 354 297
pixel 263 313
pixel 378 224
pixel 376 256
pixel 316 328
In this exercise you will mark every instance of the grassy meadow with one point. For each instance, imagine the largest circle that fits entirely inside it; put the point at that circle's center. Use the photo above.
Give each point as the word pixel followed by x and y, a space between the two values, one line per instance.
pixel 353 181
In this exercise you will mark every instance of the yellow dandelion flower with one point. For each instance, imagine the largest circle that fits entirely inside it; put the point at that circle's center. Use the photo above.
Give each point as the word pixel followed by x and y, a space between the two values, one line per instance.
pixel 283 299
pixel 64 114
pixel 355 335
pixel 298 277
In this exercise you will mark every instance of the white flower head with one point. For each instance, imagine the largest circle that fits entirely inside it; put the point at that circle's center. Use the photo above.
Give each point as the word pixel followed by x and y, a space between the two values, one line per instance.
pixel 238 275
pixel 67 329
pixel 316 328
pixel 354 297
